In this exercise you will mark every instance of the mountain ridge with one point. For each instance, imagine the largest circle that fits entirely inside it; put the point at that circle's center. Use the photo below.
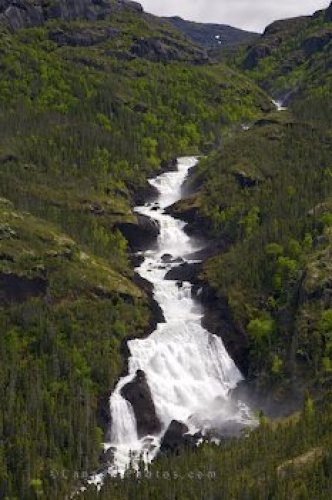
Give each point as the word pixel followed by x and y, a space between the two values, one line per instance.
pixel 212 35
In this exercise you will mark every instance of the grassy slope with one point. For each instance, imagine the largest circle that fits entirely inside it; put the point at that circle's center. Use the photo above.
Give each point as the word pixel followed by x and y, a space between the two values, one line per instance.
pixel 81 130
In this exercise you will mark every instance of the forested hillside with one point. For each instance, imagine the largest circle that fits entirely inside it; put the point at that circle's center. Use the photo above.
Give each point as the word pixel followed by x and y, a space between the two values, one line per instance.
pixel 91 102
pixel 94 97
pixel 283 460
pixel 294 56
pixel 265 196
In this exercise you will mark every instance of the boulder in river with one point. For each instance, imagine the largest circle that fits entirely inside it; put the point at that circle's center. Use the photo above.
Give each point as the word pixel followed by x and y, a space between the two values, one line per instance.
pixel 141 234
pixel 184 272
pixel 177 438
pixel 139 396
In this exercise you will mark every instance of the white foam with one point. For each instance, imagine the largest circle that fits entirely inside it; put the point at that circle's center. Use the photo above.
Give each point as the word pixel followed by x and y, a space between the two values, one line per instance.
pixel 188 369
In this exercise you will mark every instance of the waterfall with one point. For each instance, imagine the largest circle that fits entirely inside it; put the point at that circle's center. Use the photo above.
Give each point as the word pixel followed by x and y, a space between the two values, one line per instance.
pixel 188 370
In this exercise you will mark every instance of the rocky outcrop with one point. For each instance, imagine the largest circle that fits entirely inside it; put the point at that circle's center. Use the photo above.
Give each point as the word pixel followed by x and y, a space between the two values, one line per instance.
pixel 139 396
pixel 104 415
pixel 141 234
pixel 218 320
pixel 176 439
pixel 14 288
pixel 185 272
pixel 169 165
pixel 328 13
pixel 165 50
pixel 272 38
pixel 317 42
pixel 245 180
pixel 255 55
pixel 145 194
pixel 19 14
pixel 82 37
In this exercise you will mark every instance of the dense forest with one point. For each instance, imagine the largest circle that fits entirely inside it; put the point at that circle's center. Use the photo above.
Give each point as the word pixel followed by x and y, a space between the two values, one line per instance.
pixel 90 107
pixel 84 122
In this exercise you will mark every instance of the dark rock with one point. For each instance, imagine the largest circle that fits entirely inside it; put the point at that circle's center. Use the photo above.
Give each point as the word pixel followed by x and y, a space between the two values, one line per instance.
pixel 107 457
pixel 176 439
pixel 255 54
pixel 96 209
pixel 320 241
pixel 272 38
pixel 15 288
pixel 245 180
pixel 167 258
pixel 328 13
pixel 185 272
pixel 145 194
pixel 139 396
pixel 104 293
pixel 153 50
pixel 82 37
pixel 19 14
pixel 218 320
pixel 7 257
pixel 316 42
pixel 104 415
pixel 166 50
pixel 9 158
pixel 169 165
pixel 6 232
pixel 140 235
pixel 157 314
pixel 135 6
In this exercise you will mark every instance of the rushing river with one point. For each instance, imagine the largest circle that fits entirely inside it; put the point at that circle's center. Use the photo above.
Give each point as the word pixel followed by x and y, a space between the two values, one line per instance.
pixel 188 370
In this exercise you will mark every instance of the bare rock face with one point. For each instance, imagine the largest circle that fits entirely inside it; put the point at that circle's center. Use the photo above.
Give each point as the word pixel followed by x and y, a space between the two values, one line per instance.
pixel 185 272
pixel 82 37
pixel 219 321
pixel 19 14
pixel 158 50
pixel 255 54
pixel 328 13
pixel 176 439
pixel 317 42
pixel 15 288
pixel 141 234
pixel 139 396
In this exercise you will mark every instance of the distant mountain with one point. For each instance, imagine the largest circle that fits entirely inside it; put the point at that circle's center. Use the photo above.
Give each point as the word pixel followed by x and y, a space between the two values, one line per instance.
pixel 212 36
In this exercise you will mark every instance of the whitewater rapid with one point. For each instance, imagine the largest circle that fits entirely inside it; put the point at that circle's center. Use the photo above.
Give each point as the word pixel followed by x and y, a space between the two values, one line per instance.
pixel 188 370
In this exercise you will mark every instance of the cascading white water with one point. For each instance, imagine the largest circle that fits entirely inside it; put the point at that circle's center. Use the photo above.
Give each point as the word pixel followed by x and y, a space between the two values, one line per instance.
pixel 188 370
pixel 279 105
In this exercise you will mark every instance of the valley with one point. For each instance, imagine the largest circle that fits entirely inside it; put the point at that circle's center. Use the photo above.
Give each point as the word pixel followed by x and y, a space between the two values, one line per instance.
pixel 149 303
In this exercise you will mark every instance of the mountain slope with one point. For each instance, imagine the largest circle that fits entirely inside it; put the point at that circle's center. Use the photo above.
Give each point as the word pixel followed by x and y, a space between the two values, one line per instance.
pixel 265 197
pixel 294 56
pixel 212 36
pixel 91 102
